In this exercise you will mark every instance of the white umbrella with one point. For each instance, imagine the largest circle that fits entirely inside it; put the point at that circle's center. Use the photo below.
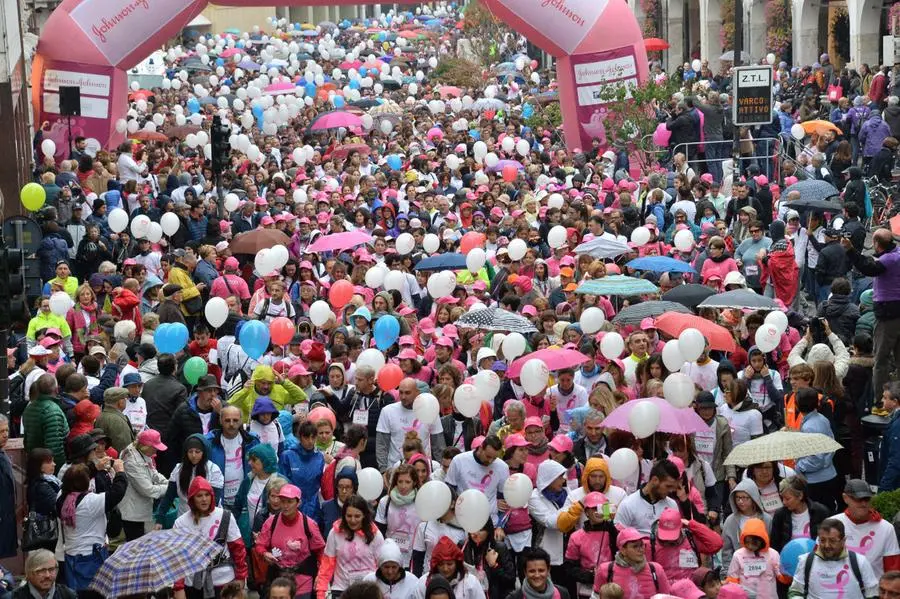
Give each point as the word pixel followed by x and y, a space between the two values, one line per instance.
pixel 781 445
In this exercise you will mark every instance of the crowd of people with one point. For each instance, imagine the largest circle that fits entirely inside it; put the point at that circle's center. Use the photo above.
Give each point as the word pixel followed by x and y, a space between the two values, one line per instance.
pixel 402 282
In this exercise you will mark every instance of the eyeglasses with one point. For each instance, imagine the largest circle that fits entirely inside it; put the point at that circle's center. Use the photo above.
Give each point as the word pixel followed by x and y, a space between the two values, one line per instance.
pixel 756 230
pixel 47 570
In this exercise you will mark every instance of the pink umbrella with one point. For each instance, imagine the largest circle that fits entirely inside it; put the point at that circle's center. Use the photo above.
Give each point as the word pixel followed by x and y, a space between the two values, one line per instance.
pixel 449 91
pixel 280 88
pixel 350 64
pixel 678 421
pixel 555 359
pixel 335 120
pixel 338 241
pixel 229 52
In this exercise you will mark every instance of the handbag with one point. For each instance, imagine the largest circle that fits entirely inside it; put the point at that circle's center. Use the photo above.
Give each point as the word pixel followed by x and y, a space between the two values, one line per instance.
pixel 39 531
pixel 835 92
pixel 193 305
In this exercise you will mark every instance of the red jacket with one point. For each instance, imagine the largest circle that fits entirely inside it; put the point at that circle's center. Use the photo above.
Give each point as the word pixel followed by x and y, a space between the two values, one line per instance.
pixel 126 306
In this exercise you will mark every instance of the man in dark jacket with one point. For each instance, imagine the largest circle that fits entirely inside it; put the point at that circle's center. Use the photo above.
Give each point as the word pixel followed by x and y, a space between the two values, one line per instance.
pixel 170 308
pixel 840 312
pixel 892 115
pixel 684 131
pixel 40 573
pixel 363 406
pixel 164 395
pixel 889 456
pixel 832 262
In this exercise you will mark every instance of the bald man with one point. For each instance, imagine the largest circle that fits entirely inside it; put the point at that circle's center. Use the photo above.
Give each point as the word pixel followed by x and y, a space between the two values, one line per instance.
pixel 229 448
pixel 397 420
pixel 884 267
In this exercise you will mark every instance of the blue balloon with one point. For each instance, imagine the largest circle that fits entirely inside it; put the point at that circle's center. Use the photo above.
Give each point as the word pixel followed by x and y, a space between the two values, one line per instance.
pixel 171 337
pixel 791 553
pixel 527 111
pixel 254 338
pixel 394 162
pixel 475 134
pixel 382 36
pixel 193 105
pixel 354 84
pixel 220 62
pixel 386 332
pixel 338 102
pixel 363 71
pixel 310 89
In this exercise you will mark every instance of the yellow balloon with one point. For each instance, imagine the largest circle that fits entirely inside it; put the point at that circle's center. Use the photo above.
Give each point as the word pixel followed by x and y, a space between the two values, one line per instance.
pixel 33 196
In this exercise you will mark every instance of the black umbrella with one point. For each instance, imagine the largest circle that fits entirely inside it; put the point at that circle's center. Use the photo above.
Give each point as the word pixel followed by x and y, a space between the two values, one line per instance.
pixel 689 295
pixel 391 84
pixel 811 189
pixel 365 103
pixel 816 205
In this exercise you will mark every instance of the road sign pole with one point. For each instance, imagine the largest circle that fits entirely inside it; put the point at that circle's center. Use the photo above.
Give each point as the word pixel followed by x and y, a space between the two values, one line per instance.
pixel 738 50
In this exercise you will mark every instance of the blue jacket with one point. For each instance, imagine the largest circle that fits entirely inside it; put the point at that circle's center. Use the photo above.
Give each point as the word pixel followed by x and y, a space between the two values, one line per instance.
pixel 889 456
pixel 871 135
pixel 217 451
pixel 205 273
pixel 817 468
pixel 303 467
pixel 52 249
pixel 331 511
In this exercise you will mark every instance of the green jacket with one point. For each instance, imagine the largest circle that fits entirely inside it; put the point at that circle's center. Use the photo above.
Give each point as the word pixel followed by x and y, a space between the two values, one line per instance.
pixel 46 426
pixel 115 424
pixel 282 395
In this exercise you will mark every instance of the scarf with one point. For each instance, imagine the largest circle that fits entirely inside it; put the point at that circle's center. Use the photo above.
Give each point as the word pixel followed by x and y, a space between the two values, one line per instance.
pixel 538 448
pixel 530 593
pixel 558 498
pixel 67 514
pixel 402 500
pixel 720 258
pixel 621 561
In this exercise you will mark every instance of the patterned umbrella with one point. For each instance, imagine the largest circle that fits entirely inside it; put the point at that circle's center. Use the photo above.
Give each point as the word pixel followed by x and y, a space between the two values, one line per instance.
pixel 811 189
pixel 781 445
pixel 389 107
pixel 617 285
pixel 638 312
pixel 152 562
pixel 496 319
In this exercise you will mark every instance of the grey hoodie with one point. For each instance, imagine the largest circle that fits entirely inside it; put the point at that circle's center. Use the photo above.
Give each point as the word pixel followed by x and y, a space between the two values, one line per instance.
pixel 731 530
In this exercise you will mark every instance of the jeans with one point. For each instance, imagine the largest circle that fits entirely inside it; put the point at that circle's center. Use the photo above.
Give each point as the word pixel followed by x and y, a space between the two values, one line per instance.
pixel 716 151
pixel 886 339
pixel 823 290
pixel 858 283
pixel 854 148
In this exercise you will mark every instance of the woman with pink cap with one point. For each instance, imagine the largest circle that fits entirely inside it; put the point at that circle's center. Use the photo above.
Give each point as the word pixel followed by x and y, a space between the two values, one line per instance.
pixel 591 544
pixel 631 569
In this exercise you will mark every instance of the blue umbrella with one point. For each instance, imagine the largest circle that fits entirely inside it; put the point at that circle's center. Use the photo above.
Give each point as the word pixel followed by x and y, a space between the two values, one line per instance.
pixel 207 100
pixel 442 262
pixel 617 285
pixel 249 65
pixel 660 264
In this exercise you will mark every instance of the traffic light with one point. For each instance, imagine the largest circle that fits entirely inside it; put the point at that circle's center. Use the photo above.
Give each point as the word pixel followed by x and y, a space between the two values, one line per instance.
pixel 13 299
pixel 221 149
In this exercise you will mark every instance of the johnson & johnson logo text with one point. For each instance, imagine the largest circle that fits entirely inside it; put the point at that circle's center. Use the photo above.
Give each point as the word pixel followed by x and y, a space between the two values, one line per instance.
pixel 106 25
pixel 562 7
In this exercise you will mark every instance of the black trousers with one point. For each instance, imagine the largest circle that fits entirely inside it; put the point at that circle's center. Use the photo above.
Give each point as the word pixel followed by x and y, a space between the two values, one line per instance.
pixel 133 530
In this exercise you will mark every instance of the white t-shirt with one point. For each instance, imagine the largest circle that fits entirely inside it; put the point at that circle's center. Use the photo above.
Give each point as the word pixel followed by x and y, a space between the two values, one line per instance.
pixel 637 512
pixel 213 477
pixel 136 412
pixel 800 525
pixel 255 496
pixel 703 375
pixel 744 424
pixel 835 579
pixel 756 389
pixel 770 498
pixel 577 398
pixel 270 434
pixel 397 421
pixel 429 533
pixel 90 525
pixel 234 466
pixel 874 540
pixel 275 310
pixel 466 473
pixel 401 522
pixel 208 527
pixel 705 443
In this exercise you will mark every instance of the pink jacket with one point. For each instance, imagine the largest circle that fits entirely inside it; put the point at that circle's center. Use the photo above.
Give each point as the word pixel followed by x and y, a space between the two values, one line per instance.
pixel 295 545
pixel 721 269
pixel 764 585
pixel 680 561
pixel 636 586
pixel 80 327
pixel 588 548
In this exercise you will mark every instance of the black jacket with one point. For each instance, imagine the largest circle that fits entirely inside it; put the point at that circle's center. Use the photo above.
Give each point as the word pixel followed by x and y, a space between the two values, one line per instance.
pixel 59 592
pixel 781 524
pixel 471 429
pixel 684 131
pixel 185 422
pixel 881 165
pixel 502 579
pixel 842 315
pixel 41 497
pixel 832 263
pixel 163 395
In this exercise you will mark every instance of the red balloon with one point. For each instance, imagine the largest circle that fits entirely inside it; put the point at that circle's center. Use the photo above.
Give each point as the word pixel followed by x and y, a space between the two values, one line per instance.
pixel 534 64
pixel 470 241
pixel 341 293
pixel 282 330
pixel 510 173
pixel 389 377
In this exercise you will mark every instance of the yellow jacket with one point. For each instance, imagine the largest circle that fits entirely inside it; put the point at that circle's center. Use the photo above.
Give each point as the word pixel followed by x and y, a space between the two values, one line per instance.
pixel 48 321
pixel 70 286
pixel 179 276
pixel 282 395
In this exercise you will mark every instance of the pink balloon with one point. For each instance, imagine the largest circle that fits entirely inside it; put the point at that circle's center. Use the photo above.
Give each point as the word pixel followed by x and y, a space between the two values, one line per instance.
pixel 661 135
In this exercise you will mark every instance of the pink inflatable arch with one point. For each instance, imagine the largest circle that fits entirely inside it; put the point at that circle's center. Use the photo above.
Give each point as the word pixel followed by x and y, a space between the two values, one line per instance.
pixel 91 43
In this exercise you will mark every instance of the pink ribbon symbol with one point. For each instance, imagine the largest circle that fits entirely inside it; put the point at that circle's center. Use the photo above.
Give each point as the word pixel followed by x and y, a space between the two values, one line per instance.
pixel 413 427
pixel 864 544
pixel 236 460
pixel 214 529
pixel 484 481
pixel 840 583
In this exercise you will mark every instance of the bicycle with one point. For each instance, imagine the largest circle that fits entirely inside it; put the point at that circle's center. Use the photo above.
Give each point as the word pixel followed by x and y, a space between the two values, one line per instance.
pixel 882 197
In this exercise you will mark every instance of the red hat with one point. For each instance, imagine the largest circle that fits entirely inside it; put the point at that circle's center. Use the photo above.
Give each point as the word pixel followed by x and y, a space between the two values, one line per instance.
pixel 316 352
pixel 669 527
pixel 151 438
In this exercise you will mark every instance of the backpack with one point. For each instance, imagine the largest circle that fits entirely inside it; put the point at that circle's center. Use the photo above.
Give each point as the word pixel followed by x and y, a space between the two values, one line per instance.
pixel 309 566
pixel 687 534
pixel 854 565
pixel 326 487
pixel 609 574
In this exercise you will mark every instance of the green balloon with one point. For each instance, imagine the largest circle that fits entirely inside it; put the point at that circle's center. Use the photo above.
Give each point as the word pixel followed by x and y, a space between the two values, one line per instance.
pixel 195 369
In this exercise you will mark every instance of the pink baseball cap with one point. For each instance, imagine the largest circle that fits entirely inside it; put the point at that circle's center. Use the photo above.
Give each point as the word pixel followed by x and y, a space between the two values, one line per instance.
pixel 49 342
pixel 298 370
pixel 444 341
pixel 529 311
pixel 534 421
pixel 594 500
pixel 562 443
pixel 224 226
pixel 669 528
pixel 514 440
pixel 151 438
pixel 480 285
pixel 648 324
pixel 405 311
pixel 406 340
pixel 449 330
pixel 567 261
pixel 231 263
pixel 322 218
pixel 408 354
pixel 426 325
pixel 267 220
pixel 628 535
pixel 261 201
pixel 477 441
pixel 289 492
pixel 54 331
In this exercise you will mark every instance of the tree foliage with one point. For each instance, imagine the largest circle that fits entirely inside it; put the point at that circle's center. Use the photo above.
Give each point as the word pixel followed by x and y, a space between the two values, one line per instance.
pixel 484 31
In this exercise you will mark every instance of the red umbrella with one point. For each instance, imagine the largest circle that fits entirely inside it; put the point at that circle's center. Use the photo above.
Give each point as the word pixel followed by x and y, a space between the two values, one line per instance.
pixel 141 94
pixel 555 359
pixel 338 241
pixel 674 323
pixel 344 150
pixel 449 91
pixel 144 135
pixel 655 44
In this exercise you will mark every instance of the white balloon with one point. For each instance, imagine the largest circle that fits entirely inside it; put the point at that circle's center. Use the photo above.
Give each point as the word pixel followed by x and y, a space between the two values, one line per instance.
pixel 135 86
pixel 640 236
pixel 671 356
pixel 767 337
pixel 159 119
pixel 371 357
pixel 534 376
pixel 140 226
pixel 375 277
pixel 180 120
pixel 497 341
pixel 232 201
pixel 517 249
pixel 591 320
pixel 472 509
pixel 684 240
pixel 441 284
pixel 508 144
pixel 555 201
pixel 476 306
pixel 370 484
pixel 466 400
pixel 261 262
pixel 798 132
pixel 170 223
pixel 155 232
pixel 431 243
pixel 132 126
pixel 48 147
pixel 696 64
pixel 779 319
pixel 426 408
pixel 517 490
pixel 279 257
pixel 475 259
pixel 320 313
pixel 487 385
pixel 523 148
pixel 433 500
pixel 394 280
pixel 479 149
pixel 691 343
pixel 643 420
pixel 612 345
pixel 513 346
pixel 678 389
pixel 117 220
pixel 216 311
pixel 386 126
pixel 770 58
pixel 60 302
pixel 122 125
pixel 623 463
pixel 405 243
pixel 491 160
pixel 556 238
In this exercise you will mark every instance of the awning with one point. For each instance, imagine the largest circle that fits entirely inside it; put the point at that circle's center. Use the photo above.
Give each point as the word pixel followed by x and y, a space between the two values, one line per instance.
pixel 199 21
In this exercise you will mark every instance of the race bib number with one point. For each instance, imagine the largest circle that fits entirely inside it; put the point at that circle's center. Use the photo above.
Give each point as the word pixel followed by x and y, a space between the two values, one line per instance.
pixel 704 445
pixel 231 487
pixel 361 417
pixel 771 503
pixel 403 541
pixel 754 566
pixel 751 270
pixel 687 559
